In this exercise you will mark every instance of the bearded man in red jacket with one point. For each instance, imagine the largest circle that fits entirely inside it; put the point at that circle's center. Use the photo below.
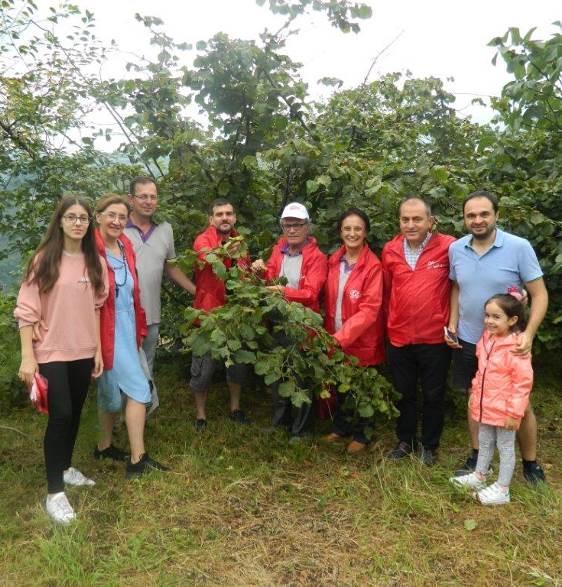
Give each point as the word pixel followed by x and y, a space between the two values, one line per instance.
pixel 417 295
pixel 297 258
pixel 210 294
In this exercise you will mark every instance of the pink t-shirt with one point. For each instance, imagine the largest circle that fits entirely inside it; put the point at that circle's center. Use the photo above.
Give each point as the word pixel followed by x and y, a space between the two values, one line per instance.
pixel 68 310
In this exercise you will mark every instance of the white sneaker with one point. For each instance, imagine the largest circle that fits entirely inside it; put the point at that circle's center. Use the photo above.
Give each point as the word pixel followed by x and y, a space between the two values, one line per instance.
pixel 495 494
pixel 59 509
pixel 469 480
pixel 73 476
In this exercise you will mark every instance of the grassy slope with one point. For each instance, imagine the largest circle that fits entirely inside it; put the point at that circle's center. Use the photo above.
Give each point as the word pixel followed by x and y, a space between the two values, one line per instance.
pixel 244 508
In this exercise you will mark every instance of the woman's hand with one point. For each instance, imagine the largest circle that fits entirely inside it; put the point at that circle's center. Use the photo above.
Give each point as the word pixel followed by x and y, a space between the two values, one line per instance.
pixel 258 266
pixel 39 326
pixel 98 365
pixel 28 368
pixel 511 423
pixel 276 288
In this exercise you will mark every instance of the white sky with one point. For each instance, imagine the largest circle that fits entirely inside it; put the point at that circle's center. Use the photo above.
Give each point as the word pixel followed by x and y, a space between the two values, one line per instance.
pixel 437 37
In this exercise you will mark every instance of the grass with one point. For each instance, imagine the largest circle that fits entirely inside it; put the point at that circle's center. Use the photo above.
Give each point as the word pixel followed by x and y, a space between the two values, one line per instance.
pixel 242 507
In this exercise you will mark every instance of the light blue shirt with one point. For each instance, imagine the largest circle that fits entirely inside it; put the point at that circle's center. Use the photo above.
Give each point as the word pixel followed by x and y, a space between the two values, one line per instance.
pixel 509 262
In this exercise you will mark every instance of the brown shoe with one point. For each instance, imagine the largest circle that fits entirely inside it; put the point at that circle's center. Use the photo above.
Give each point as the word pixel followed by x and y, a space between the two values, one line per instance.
pixel 333 437
pixel 355 447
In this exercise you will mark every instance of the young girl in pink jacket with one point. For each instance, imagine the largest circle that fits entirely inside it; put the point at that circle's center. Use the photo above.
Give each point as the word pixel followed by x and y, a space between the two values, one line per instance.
pixel 499 395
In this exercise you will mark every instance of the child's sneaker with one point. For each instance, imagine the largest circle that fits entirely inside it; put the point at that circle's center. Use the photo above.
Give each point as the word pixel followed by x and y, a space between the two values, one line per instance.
pixel 73 476
pixel 471 480
pixel 495 494
pixel 59 509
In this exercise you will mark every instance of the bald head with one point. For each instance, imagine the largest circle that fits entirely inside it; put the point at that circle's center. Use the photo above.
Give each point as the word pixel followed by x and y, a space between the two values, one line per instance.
pixel 416 220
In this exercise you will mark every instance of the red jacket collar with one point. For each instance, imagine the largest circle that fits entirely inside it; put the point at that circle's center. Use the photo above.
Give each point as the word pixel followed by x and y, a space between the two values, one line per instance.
pixel 335 258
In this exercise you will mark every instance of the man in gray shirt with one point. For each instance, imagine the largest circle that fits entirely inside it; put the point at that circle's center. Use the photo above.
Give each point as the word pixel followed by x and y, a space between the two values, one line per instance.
pixel 154 247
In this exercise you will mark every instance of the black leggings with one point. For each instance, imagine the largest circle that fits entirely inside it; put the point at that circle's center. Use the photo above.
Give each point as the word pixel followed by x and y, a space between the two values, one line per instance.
pixel 68 388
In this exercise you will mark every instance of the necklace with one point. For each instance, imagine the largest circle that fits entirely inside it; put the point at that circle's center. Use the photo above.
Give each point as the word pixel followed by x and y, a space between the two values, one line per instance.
pixel 123 266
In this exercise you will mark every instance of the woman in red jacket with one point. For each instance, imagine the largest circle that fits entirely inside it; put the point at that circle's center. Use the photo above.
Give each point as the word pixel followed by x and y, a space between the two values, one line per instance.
pixel 353 301
pixel 123 326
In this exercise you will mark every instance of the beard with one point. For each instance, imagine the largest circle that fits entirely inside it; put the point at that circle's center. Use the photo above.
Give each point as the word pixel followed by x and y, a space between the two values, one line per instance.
pixel 481 236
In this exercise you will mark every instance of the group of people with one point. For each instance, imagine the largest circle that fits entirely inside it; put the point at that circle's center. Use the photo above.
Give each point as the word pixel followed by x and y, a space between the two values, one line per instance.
pixel 89 305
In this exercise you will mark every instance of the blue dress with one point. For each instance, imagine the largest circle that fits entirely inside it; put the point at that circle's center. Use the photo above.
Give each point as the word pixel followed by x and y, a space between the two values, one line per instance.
pixel 127 375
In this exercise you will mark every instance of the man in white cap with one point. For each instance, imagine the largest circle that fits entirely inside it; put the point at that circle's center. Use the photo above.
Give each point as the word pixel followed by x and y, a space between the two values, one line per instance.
pixel 296 257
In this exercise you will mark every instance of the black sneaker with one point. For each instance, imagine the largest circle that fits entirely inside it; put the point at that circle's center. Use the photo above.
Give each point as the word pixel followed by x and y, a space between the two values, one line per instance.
pixel 239 417
pixel 111 452
pixel 468 467
pixel 427 456
pixel 402 450
pixel 533 473
pixel 145 465
pixel 200 424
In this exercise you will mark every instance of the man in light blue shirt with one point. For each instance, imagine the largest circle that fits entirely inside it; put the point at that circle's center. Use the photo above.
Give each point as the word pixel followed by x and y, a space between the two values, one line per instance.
pixel 486 262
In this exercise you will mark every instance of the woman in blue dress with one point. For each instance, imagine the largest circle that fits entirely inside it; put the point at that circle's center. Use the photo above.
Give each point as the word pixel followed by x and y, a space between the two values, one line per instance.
pixel 123 326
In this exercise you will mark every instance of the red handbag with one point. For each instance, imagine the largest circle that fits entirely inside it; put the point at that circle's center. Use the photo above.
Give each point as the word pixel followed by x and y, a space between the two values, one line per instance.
pixel 38 393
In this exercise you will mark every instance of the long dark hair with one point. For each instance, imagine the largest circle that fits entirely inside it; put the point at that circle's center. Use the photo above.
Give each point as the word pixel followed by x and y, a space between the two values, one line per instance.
pixel 512 306
pixel 43 268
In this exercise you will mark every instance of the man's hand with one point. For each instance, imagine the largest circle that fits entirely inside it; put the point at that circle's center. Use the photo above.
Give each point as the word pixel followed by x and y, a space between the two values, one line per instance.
pixel 37 328
pixel 258 266
pixel 511 423
pixel 27 370
pixel 524 344
pixel 98 365
pixel 450 342
pixel 232 247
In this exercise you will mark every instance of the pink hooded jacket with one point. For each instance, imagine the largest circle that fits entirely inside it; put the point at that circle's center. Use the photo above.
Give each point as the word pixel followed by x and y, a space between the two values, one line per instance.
pixel 503 382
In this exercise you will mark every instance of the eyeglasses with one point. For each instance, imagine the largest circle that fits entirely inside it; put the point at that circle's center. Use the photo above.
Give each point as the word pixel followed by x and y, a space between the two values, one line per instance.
pixel 293 225
pixel 122 218
pixel 145 198
pixel 73 219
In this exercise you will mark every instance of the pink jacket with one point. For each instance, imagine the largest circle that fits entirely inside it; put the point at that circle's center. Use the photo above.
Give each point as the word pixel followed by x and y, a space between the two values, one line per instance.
pixel 503 382
pixel 68 311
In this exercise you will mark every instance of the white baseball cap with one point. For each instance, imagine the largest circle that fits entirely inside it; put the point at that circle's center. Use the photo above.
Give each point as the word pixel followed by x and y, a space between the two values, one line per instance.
pixel 295 210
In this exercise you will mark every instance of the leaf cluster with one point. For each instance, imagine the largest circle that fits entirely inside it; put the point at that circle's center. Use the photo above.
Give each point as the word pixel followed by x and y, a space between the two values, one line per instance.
pixel 284 342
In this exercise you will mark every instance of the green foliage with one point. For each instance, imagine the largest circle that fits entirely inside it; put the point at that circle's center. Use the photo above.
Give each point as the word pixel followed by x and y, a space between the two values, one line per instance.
pixel 283 341
pixel 10 386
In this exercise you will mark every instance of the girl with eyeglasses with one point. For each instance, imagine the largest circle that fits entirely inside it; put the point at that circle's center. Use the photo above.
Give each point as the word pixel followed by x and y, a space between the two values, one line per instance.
pixel 58 309
pixel 123 326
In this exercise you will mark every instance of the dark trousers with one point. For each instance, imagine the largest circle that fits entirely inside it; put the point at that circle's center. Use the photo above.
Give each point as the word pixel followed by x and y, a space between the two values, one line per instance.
pixel 68 388
pixel 428 364
pixel 296 420
pixel 346 423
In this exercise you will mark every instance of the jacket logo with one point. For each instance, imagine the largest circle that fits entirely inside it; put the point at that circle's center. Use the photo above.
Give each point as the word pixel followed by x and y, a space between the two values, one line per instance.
pixel 354 294
pixel 435 265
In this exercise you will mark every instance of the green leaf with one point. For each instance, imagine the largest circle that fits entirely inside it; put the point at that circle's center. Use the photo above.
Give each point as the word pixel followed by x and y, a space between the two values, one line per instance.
pixel 242 356
pixel 470 524
pixel 286 389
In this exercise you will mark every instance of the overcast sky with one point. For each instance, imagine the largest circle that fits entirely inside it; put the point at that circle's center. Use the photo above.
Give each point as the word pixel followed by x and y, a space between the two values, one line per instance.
pixel 435 37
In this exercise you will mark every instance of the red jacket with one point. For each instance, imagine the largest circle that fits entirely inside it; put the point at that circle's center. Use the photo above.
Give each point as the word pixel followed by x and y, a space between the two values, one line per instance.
pixel 417 300
pixel 314 270
pixel 107 313
pixel 210 292
pixel 362 331
pixel 503 382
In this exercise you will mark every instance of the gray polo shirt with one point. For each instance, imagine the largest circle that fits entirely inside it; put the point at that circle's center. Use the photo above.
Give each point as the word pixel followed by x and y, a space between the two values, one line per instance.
pixel 152 254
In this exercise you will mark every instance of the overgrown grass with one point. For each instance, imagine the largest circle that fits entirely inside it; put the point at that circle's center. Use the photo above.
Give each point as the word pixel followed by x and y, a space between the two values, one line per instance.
pixel 243 507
